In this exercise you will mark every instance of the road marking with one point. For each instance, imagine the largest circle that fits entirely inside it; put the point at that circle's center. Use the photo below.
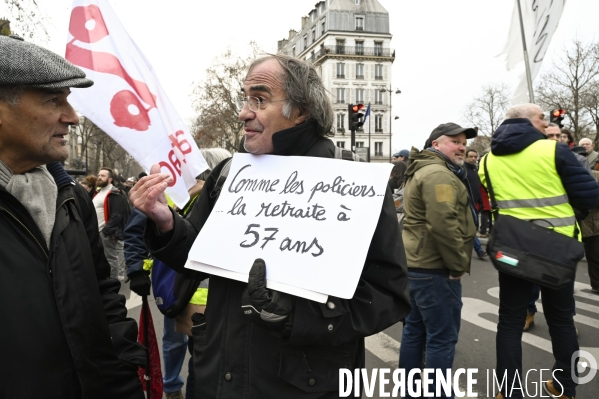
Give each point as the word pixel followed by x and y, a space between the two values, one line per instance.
pixel 384 347
pixel 473 308
pixel 589 321
pixel 133 301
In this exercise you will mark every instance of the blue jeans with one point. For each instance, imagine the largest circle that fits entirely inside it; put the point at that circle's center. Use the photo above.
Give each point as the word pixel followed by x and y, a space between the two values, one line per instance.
pixel 514 296
pixel 478 248
pixel 433 324
pixel 174 347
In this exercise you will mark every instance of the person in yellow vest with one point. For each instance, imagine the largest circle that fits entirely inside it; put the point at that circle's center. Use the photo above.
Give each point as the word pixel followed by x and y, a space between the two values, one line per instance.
pixel 534 178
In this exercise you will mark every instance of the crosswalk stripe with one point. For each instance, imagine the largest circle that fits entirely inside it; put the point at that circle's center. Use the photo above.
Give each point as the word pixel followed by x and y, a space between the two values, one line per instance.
pixel 384 347
pixel 474 307
pixel 582 319
pixel 133 301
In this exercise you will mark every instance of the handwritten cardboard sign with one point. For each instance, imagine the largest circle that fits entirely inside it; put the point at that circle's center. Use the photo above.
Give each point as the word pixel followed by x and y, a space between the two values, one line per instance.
pixel 310 219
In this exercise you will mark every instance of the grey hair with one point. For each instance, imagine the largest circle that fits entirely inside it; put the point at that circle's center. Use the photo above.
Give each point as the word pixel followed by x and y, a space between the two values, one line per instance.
pixel 11 94
pixel 214 156
pixel 304 91
pixel 551 124
pixel 526 110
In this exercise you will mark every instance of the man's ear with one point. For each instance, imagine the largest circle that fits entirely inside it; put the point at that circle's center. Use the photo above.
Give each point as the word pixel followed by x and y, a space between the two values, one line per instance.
pixel 301 118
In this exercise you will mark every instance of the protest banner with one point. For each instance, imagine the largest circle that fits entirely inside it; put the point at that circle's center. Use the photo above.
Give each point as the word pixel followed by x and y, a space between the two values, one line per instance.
pixel 127 101
pixel 310 219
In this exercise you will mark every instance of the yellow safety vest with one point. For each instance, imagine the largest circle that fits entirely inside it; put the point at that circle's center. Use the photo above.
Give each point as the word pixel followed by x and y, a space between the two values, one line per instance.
pixel 527 186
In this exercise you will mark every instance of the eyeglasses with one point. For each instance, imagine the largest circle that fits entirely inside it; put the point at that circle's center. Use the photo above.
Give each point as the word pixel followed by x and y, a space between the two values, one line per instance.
pixel 255 103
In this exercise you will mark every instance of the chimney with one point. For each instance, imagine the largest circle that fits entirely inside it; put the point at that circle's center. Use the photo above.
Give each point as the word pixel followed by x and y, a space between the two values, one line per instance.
pixel 292 34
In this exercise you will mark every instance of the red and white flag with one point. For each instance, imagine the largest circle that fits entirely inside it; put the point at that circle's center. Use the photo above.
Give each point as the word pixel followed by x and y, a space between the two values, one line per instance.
pixel 127 101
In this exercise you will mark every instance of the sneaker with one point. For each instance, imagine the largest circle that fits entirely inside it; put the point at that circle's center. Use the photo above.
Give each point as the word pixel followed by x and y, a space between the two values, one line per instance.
pixel 553 392
pixel 175 395
pixel 595 290
pixel 482 255
pixel 530 321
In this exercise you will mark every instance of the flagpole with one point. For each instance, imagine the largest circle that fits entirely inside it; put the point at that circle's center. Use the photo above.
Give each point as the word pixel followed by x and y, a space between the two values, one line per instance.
pixel 526 61
pixel 369 149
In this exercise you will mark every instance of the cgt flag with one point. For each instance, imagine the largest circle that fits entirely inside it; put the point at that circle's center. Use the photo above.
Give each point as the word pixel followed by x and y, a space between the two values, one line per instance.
pixel 540 20
pixel 127 101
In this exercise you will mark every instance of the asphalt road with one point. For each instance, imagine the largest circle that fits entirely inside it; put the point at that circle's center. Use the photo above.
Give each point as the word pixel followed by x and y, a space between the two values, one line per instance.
pixel 476 346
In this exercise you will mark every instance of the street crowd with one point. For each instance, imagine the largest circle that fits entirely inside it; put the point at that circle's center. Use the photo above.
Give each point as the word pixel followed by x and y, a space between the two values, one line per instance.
pixel 68 246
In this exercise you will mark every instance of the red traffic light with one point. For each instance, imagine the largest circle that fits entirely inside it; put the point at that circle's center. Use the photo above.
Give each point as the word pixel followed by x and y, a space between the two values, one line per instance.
pixel 558 112
pixel 357 107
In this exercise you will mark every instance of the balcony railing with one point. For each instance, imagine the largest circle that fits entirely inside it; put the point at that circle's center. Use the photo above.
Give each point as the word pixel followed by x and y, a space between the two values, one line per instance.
pixel 340 76
pixel 359 76
pixel 350 50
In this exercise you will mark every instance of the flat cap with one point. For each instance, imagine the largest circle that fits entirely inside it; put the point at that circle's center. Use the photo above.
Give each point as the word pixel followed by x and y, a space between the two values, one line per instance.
pixel 27 64
pixel 449 129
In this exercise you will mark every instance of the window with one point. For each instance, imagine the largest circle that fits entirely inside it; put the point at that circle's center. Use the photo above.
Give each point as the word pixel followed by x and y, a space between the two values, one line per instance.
pixel 378 96
pixel 360 96
pixel 378 72
pixel 341 144
pixel 340 70
pixel 357 2
pixel 340 46
pixel 322 27
pixel 378 123
pixel 359 23
pixel 294 51
pixel 340 95
pixel 378 149
pixel 305 42
pixel 312 56
pixel 359 71
pixel 313 34
pixel 359 144
pixel 378 48
pixel 341 123
pixel 359 47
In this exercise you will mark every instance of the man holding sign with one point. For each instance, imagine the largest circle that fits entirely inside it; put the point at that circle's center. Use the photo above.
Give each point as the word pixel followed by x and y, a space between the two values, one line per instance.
pixel 257 342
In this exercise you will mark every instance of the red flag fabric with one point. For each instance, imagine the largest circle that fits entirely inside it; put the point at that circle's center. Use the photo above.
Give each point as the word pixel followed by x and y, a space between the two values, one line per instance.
pixel 155 373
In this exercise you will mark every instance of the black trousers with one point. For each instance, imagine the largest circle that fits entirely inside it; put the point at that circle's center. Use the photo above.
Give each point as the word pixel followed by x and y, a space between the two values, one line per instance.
pixel 486 222
pixel 591 251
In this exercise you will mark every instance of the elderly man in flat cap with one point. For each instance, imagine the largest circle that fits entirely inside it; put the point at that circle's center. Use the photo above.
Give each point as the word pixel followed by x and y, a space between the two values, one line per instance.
pixel 64 330
pixel 438 235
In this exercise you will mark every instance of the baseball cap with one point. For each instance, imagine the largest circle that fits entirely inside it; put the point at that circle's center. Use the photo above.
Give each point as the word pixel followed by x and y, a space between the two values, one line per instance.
pixel 449 129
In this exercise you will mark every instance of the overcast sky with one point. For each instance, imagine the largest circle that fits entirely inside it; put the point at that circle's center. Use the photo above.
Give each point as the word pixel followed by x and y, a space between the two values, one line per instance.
pixel 445 50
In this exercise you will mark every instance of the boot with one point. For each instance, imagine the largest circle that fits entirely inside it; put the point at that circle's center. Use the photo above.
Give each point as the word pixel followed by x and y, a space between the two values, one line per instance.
pixel 553 391
pixel 530 321
pixel 499 396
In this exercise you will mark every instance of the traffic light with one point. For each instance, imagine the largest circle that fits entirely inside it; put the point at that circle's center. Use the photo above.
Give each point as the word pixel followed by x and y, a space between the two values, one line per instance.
pixel 356 116
pixel 557 116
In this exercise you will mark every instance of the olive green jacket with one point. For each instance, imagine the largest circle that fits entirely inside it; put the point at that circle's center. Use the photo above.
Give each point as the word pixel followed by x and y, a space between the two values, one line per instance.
pixel 438 225
pixel 590 225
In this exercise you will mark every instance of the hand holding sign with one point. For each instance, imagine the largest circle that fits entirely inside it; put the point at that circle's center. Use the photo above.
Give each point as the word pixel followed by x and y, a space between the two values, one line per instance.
pixel 267 308
pixel 148 196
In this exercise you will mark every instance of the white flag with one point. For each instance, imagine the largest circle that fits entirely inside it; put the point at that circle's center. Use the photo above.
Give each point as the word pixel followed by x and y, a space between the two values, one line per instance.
pixel 540 19
pixel 127 101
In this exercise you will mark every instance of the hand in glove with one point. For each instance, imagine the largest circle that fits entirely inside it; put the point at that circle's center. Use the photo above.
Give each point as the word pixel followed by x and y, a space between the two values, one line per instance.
pixel 267 308
pixel 140 283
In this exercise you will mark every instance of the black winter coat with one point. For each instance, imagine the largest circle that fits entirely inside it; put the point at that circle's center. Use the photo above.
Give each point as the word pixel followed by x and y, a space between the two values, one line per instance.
pixel 240 360
pixel 64 330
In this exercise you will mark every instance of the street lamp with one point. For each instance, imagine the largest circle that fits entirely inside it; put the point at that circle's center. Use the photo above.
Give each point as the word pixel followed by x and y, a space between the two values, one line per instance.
pixel 397 91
